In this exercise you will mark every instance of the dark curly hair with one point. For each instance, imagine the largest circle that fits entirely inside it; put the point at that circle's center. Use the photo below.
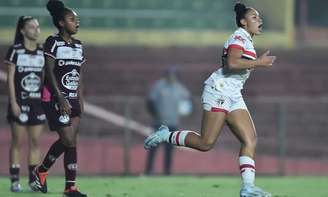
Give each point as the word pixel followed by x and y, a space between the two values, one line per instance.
pixel 58 11
pixel 241 10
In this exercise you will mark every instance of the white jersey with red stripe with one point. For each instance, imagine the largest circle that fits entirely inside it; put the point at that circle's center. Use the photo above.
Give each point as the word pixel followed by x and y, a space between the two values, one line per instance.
pixel 233 80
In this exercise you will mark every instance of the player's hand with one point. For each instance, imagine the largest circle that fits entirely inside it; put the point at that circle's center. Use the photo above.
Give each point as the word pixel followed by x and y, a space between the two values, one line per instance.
pixel 64 106
pixel 266 60
pixel 15 109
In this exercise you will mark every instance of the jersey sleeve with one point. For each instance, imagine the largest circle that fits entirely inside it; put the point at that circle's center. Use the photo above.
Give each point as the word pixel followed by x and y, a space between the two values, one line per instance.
pixel 50 47
pixel 237 42
pixel 11 56
pixel 84 59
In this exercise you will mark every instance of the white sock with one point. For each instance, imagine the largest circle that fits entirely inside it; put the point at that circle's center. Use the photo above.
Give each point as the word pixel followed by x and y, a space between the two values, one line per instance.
pixel 247 170
pixel 178 137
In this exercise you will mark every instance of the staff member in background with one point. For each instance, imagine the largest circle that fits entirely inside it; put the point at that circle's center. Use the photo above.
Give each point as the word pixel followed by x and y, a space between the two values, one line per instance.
pixel 167 101
pixel 25 63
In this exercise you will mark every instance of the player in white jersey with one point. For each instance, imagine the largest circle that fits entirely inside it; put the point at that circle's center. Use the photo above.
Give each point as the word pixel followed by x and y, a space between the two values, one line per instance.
pixel 223 101
pixel 25 63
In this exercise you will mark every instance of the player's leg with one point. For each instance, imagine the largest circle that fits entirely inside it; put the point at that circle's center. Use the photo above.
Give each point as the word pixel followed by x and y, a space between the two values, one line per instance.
pixel 216 106
pixel 17 134
pixel 55 151
pixel 34 133
pixel 241 124
pixel 68 135
pixel 212 124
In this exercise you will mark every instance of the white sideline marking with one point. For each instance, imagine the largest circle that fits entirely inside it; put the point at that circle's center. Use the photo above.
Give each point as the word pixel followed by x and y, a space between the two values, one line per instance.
pixel 107 116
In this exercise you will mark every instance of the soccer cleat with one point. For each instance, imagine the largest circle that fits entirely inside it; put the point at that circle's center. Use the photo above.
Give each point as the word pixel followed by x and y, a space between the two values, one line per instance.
pixel 32 188
pixel 16 187
pixel 40 182
pixel 73 192
pixel 253 191
pixel 157 137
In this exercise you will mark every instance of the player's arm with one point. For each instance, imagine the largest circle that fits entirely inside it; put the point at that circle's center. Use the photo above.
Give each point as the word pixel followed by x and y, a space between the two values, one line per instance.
pixel 49 71
pixel 11 88
pixel 80 92
pixel 235 60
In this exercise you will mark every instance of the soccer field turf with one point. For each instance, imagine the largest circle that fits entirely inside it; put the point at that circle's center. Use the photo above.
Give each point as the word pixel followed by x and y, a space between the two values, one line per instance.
pixel 182 186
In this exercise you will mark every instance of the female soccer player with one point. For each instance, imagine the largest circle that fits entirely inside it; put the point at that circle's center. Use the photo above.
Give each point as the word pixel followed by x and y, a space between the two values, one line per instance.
pixel 223 102
pixel 25 62
pixel 61 96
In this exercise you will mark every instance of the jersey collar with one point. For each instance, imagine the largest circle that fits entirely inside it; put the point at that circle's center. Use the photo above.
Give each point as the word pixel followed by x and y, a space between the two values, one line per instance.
pixel 242 30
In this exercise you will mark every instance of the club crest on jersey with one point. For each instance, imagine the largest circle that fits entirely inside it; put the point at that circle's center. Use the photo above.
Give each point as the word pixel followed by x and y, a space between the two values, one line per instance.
pixel 31 82
pixel 71 80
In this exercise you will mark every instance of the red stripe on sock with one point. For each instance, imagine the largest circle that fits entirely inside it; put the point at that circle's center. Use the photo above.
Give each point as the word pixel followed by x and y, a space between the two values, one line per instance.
pixel 177 138
pixel 247 166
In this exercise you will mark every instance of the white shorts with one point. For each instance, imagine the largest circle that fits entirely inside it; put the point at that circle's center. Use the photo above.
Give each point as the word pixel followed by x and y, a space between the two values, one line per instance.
pixel 221 101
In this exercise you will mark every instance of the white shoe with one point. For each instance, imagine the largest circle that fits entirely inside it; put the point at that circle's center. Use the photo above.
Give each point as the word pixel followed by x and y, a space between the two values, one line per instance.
pixel 16 187
pixel 253 191
pixel 161 135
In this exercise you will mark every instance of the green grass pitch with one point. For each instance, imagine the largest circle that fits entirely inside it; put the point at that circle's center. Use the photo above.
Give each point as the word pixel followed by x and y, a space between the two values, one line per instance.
pixel 181 186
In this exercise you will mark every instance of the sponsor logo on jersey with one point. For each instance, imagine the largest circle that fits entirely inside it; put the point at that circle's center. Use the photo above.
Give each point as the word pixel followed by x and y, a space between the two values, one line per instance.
pixel 72 95
pixel 69 53
pixel 20 51
pixel 60 43
pixel 28 69
pixel 31 82
pixel 71 80
pixel 39 52
pixel 30 60
pixel 35 95
pixel 69 62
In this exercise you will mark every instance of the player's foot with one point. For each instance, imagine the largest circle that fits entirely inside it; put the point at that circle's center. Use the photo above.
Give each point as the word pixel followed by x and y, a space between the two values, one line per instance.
pixel 32 188
pixel 16 187
pixel 253 191
pixel 161 135
pixel 40 182
pixel 73 192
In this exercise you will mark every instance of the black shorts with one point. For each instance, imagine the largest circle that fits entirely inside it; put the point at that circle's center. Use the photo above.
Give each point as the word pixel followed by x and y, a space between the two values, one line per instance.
pixel 57 120
pixel 31 114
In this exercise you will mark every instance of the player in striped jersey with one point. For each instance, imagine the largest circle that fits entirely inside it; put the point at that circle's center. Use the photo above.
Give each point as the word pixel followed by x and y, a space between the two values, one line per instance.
pixel 223 102
pixel 62 96
pixel 25 63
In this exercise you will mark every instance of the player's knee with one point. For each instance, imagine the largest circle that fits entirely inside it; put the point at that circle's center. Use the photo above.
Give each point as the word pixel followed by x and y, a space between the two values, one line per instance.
pixel 34 143
pixel 207 145
pixel 16 143
pixel 250 143
pixel 69 141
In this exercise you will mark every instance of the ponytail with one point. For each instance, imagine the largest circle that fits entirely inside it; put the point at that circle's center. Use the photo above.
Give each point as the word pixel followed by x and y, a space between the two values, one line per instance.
pixel 19 38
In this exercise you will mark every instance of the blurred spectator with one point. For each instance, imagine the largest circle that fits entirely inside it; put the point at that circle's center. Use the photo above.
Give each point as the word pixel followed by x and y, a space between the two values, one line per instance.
pixel 167 101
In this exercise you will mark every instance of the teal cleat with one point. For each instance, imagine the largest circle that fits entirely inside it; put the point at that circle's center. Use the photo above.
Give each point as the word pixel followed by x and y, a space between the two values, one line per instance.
pixel 161 135
pixel 253 191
